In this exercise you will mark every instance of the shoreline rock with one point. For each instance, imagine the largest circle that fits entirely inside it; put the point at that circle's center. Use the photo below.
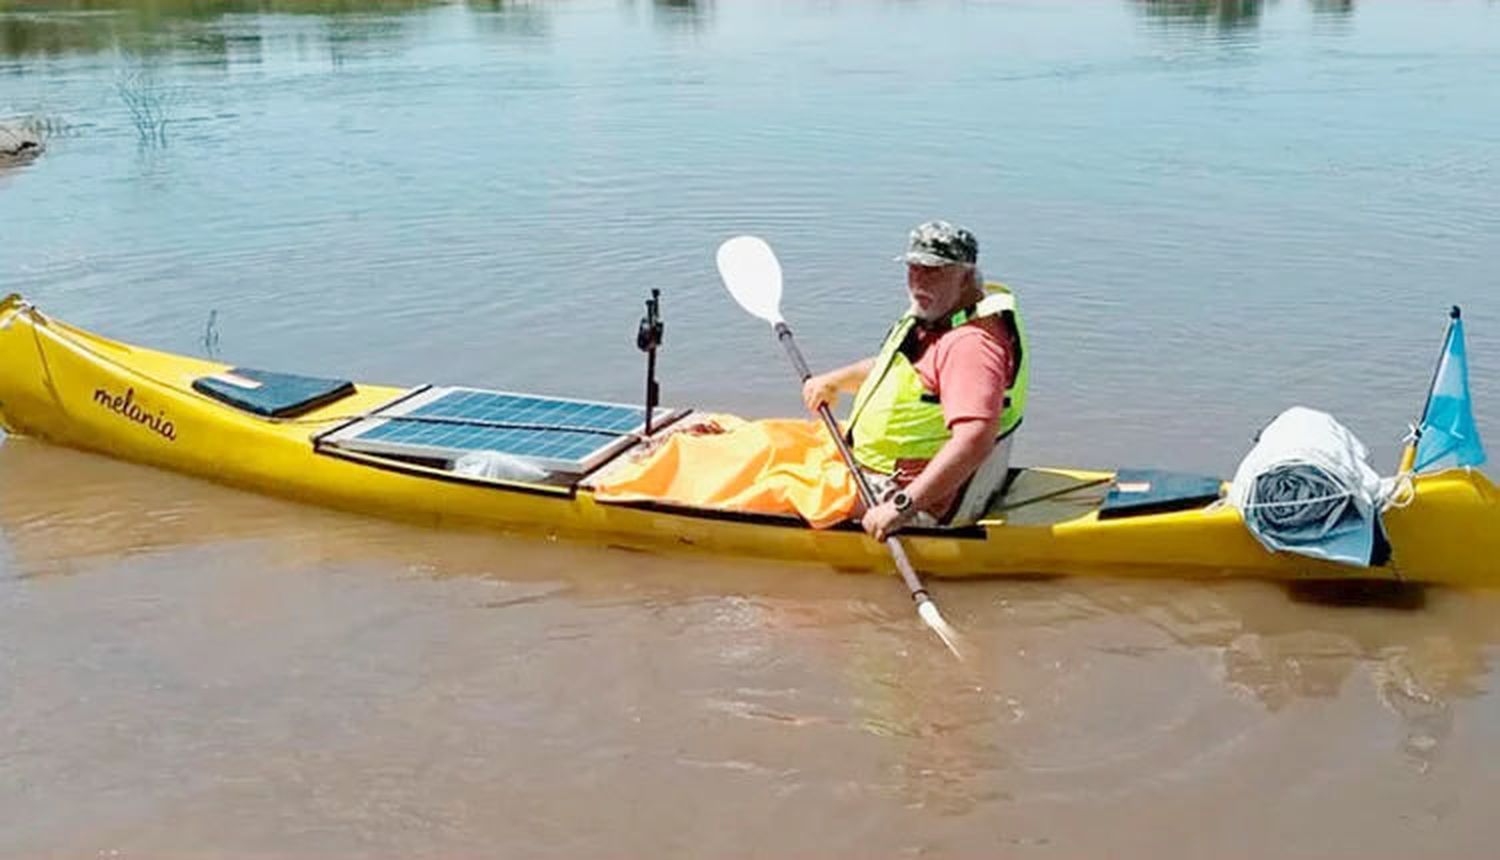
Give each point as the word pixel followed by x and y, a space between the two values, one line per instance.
pixel 18 144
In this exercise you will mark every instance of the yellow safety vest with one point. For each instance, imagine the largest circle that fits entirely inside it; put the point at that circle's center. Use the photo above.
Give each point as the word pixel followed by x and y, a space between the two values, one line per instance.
pixel 896 418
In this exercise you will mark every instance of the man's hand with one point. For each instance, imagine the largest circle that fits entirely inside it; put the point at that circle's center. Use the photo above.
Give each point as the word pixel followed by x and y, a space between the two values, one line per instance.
pixel 881 521
pixel 824 388
pixel 821 389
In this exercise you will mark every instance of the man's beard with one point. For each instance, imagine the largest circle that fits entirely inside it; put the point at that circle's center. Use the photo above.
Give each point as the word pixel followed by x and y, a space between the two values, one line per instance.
pixel 926 316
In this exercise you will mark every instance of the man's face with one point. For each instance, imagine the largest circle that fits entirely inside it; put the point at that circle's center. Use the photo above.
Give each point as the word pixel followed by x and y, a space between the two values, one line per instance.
pixel 935 290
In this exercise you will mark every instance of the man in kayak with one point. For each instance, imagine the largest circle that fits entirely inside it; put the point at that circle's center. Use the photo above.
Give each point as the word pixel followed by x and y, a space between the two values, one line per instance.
pixel 935 409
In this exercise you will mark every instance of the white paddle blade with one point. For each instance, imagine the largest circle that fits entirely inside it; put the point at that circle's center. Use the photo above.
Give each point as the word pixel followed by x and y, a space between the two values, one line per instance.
pixel 934 619
pixel 752 275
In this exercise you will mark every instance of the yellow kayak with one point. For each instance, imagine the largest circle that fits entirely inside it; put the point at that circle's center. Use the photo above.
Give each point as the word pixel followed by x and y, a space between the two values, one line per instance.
pixel 71 387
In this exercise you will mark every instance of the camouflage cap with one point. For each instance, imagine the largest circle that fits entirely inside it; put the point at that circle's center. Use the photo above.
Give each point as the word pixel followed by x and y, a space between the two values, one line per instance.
pixel 938 243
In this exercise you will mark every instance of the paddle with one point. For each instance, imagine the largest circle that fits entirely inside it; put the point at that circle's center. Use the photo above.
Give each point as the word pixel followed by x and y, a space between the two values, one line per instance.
pixel 752 274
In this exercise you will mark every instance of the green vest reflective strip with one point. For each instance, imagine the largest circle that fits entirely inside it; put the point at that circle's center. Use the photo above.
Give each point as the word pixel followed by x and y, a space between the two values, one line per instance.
pixel 896 418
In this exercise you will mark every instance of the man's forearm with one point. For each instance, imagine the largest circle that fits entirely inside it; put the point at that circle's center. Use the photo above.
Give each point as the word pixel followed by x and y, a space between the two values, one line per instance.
pixel 955 462
pixel 850 377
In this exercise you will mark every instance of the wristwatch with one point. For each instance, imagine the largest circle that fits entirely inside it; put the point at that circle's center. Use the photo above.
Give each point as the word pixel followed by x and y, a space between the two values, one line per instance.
pixel 902 501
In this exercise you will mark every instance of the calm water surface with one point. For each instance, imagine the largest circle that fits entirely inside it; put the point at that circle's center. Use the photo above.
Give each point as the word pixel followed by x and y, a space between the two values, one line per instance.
pixel 1213 211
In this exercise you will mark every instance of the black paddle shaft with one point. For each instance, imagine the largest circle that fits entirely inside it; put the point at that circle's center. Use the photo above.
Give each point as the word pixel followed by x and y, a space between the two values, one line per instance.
pixel 866 493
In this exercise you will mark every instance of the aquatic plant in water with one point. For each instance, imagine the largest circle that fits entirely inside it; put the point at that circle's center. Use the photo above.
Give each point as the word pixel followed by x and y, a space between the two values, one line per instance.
pixel 149 101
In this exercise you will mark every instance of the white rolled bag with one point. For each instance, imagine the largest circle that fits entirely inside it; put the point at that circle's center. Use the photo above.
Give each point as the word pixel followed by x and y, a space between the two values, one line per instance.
pixel 1306 487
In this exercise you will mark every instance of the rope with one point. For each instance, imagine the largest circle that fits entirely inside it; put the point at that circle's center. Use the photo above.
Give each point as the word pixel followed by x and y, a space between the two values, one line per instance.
pixel 1297 502
pixel 46 370
pixel 1403 493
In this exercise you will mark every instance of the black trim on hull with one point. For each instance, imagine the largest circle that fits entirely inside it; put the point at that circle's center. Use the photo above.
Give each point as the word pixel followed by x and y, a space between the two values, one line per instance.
pixel 975 532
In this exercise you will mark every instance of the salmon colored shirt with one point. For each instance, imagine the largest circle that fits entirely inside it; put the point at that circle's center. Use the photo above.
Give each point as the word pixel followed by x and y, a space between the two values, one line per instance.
pixel 969 368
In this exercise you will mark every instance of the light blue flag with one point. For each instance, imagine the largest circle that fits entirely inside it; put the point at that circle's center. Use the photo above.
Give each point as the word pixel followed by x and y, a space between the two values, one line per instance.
pixel 1449 436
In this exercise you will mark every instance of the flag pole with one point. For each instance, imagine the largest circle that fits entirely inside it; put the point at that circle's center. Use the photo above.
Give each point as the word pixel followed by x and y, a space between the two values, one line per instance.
pixel 1409 453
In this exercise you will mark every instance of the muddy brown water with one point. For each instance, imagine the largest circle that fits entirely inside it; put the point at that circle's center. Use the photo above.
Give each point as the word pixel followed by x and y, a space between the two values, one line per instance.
pixel 191 669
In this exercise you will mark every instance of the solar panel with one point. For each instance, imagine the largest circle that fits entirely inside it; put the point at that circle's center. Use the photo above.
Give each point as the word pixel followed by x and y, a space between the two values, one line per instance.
pixel 476 405
pixel 557 434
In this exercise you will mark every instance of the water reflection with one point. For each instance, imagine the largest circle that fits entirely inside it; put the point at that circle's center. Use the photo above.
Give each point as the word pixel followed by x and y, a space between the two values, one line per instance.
pixel 1228 14
pixel 1224 13
pixel 527 19
pixel 945 717
pixel 51 35
pixel 682 15
pixel 1422 650
pixel 1101 683
pixel 213 32
pixel 156 26
pixel 1332 7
